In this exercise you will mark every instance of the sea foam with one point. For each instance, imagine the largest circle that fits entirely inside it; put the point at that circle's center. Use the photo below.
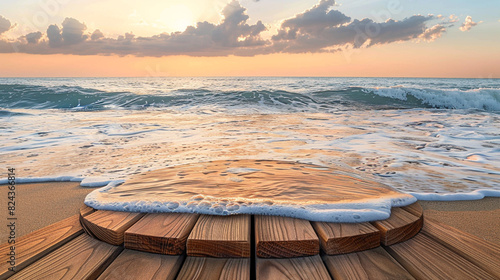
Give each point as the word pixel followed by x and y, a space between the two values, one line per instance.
pixel 89 182
pixel 264 187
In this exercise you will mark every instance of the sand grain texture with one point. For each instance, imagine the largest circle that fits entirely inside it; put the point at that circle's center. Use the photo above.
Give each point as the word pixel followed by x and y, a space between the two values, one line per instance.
pixel 41 204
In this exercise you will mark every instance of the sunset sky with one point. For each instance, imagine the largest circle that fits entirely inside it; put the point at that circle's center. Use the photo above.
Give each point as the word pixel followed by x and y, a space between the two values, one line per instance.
pixel 362 38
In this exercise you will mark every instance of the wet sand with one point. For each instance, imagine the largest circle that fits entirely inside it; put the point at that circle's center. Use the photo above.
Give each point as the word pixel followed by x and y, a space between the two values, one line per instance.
pixel 41 204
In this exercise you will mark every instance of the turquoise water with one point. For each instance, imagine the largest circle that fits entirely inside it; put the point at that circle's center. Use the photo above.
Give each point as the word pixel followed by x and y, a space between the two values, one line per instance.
pixel 261 94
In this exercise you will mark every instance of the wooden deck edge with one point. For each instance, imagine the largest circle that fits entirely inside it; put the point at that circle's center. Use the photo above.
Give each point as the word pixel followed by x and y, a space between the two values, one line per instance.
pixel 284 237
pixel 344 238
pixel 218 249
pixel 403 224
pixel 408 222
pixel 162 233
pixel 220 236
pixel 98 223
pixel 151 244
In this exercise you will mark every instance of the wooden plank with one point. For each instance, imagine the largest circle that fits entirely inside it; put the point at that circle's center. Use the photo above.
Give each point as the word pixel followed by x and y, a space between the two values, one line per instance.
pixel 110 226
pixel 82 258
pixel 164 233
pixel 220 236
pixel 37 244
pixel 215 269
pixel 415 209
pixel 426 258
pixel 401 226
pixel 86 210
pixel 372 264
pixel 283 237
pixel 310 268
pixel 480 252
pixel 132 264
pixel 343 238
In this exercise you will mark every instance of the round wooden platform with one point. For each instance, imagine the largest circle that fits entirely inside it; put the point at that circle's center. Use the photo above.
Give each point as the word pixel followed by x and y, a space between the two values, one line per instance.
pixel 233 236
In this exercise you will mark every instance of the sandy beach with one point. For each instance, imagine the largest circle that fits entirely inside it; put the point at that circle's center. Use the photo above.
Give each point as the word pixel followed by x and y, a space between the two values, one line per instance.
pixel 41 204
pixel 478 217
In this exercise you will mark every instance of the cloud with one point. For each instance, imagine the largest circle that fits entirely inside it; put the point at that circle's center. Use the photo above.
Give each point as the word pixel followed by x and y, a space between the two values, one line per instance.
pixel 318 29
pixel 453 19
pixel 433 33
pixel 468 24
pixel 96 35
pixel 55 36
pixel 314 20
pixel 321 30
pixel 73 31
pixel 5 25
pixel 34 37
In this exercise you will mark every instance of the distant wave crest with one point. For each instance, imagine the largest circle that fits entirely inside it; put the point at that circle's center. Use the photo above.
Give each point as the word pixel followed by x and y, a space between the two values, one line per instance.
pixel 482 99
pixel 14 96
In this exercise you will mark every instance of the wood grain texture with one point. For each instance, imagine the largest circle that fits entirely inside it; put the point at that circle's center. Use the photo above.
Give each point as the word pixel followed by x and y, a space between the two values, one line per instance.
pixel 343 238
pixel 220 236
pixel 214 269
pixel 132 265
pixel 415 209
pixel 163 233
pixel 110 226
pixel 304 268
pixel 86 210
pixel 426 258
pixel 374 264
pixel 401 226
pixel 282 237
pixel 81 258
pixel 37 244
pixel 478 251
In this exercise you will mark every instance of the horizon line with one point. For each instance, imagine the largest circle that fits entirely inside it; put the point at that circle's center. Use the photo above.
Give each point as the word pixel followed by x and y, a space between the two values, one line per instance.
pixel 243 76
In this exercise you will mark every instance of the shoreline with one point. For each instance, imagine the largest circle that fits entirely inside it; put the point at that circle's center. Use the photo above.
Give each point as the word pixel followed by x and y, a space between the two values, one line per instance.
pixel 41 204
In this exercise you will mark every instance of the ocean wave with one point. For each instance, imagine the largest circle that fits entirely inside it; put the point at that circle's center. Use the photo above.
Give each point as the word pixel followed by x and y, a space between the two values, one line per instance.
pixel 20 96
pixel 481 99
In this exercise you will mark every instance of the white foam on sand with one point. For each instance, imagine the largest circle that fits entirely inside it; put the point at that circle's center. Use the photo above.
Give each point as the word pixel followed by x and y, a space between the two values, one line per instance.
pixel 90 182
pixel 28 180
pixel 369 210
pixel 474 195
pixel 264 187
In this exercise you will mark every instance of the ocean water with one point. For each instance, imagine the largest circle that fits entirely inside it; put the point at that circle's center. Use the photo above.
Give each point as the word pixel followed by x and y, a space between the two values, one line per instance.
pixel 431 139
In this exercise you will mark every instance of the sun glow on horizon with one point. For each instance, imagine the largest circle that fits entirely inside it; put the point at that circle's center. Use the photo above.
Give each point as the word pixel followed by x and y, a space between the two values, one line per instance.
pixel 177 17
pixel 248 38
